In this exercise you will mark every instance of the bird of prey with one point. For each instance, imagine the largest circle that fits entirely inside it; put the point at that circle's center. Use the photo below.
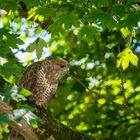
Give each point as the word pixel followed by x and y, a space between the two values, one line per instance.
pixel 42 78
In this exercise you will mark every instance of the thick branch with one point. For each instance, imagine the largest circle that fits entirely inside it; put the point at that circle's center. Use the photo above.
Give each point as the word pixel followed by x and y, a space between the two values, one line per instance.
pixel 51 129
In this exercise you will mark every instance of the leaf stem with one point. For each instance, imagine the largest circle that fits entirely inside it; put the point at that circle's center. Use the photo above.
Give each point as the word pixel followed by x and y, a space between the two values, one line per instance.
pixel 129 38
pixel 122 81
pixel 122 85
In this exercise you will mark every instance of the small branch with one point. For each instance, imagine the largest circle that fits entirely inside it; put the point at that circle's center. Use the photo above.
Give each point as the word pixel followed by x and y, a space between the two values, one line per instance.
pixel 122 85
pixel 52 129
pixel 122 81
pixel 116 127
pixel 129 38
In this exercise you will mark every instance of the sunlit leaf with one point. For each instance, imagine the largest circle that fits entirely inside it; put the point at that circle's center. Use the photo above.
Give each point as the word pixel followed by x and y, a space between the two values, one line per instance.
pixel 32 12
pixel 125 62
pixel 5 20
pixel 3 129
pixel 25 92
pixel 124 32
pixel 134 59
pixel 83 33
pixel 101 101
pixel 34 123
pixel 125 57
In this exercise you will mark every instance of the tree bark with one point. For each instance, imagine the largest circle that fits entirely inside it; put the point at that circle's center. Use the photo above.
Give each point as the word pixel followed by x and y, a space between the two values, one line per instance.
pixel 52 129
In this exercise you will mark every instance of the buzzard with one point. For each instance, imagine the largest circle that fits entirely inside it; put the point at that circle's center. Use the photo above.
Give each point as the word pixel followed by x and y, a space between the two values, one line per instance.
pixel 42 78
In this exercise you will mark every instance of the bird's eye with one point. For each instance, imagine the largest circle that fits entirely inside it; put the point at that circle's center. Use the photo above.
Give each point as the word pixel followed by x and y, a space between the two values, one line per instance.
pixel 62 66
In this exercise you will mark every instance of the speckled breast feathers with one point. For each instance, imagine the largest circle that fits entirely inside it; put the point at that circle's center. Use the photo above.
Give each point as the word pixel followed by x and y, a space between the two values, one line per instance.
pixel 42 78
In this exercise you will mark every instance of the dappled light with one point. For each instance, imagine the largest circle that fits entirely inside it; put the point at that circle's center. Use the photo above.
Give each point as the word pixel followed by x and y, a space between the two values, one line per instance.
pixel 100 96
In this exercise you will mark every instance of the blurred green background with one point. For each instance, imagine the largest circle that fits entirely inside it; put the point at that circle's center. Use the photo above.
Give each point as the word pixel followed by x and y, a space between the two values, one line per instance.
pixel 101 41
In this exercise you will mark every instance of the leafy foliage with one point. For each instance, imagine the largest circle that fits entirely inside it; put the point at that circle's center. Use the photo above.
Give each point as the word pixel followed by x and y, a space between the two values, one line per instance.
pixel 127 56
pixel 93 35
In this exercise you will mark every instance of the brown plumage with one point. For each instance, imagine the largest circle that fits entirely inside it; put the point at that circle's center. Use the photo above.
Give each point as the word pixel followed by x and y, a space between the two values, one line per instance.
pixel 42 78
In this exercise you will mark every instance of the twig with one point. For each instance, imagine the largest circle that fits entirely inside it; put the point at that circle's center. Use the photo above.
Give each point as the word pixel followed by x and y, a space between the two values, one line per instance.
pixel 117 126
pixel 129 38
pixel 122 81
pixel 122 84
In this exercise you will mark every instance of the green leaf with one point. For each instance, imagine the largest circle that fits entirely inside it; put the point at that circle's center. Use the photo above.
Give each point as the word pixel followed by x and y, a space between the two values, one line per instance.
pixel 69 21
pixel 34 123
pixel 32 12
pixel 22 105
pixel 125 62
pixel 7 92
pixel 55 28
pixel 10 39
pixel 124 32
pixel 87 32
pixel 38 30
pixel 38 45
pixel 25 92
pixel 118 63
pixel 133 19
pixel 134 59
pixel 13 41
pixel 108 21
pixel 18 118
pixel 9 4
pixel 3 31
pixel 4 118
pixel 94 15
pixel 117 9
pixel 9 69
pixel 31 3
pixel 125 57
pixel 49 12
pixel 103 2
pixel 4 50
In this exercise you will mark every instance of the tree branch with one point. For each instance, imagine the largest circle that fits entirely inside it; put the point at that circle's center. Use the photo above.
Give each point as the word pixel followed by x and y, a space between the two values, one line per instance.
pixel 51 129
pixel 122 81
pixel 122 106
pixel 116 127
pixel 122 84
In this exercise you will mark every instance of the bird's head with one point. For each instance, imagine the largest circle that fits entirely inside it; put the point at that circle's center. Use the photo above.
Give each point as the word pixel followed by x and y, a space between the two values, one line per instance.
pixel 59 68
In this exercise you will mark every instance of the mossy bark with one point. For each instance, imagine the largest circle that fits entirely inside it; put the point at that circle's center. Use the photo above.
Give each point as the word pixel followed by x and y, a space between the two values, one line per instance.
pixel 52 129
